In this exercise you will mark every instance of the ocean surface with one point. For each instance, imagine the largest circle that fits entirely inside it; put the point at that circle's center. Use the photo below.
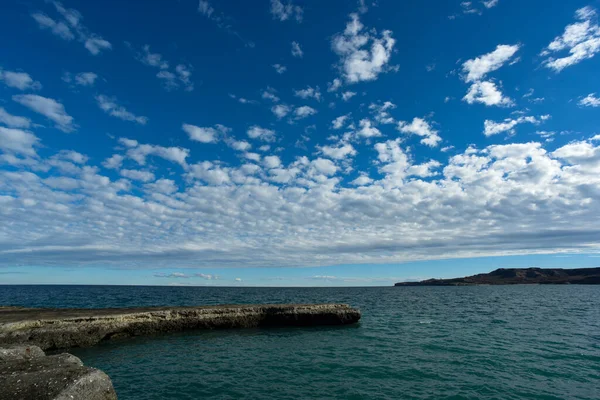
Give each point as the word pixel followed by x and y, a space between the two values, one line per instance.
pixel 486 342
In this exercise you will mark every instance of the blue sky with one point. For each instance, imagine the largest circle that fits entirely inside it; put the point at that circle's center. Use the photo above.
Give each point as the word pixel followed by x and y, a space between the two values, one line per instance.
pixel 296 143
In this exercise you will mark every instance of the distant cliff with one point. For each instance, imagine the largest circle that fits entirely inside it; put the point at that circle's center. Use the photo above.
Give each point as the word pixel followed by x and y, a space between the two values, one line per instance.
pixel 519 276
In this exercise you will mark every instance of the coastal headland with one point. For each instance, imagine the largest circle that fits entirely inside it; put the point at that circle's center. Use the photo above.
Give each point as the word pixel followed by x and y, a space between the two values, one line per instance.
pixel 520 276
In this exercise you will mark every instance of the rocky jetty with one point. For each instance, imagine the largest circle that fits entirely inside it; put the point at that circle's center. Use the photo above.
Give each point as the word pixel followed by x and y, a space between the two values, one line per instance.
pixel 27 373
pixel 63 328
pixel 520 276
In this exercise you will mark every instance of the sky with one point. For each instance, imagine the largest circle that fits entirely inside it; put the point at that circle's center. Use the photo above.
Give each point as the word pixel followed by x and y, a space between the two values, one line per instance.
pixel 296 143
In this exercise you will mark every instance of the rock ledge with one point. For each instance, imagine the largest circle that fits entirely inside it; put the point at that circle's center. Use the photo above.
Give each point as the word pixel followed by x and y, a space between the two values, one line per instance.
pixel 64 328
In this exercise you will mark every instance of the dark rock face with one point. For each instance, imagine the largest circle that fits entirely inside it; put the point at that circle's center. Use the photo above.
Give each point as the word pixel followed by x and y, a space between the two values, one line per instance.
pixel 519 276
pixel 26 373
pixel 64 328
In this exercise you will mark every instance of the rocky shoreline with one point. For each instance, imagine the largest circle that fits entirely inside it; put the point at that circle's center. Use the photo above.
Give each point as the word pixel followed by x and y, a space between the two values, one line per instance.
pixel 27 373
pixel 52 329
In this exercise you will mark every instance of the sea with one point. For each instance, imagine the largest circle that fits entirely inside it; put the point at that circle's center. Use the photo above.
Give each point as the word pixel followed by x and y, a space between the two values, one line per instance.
pixel 480 342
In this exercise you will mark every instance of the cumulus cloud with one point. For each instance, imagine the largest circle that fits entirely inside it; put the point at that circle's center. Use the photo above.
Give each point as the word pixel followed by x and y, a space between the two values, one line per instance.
pixel 109 105
pixel 381 112
pixel 81 79
pixel 139 152
pixel 68 26
pixel 340 152
pixel 421 127
pixel 173 78
pixel 487 93
pixel 367 130
pixel 581 40
pixel 509 124
pixel 309 92
pixel 256 132
pixel 334 85
pixel 18 141
pixel 348 95
pixel 363 54
pixel 205 134
pixel 590 101
pixel 288 11
pixel 280 110
pixel 340 121
pixel 13 121
pixel 19 80
pixel 490 201
pixel 137 175
pixel 50 108
pixel 280 69
pixel 296 50
pixel 477 68
pixel 303 112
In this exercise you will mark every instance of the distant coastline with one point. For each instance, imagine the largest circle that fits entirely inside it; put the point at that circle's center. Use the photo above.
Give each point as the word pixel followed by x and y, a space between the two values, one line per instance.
pixel 520 276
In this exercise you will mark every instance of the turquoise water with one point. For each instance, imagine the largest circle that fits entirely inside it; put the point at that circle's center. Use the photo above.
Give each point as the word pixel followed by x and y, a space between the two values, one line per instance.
pixel 504 342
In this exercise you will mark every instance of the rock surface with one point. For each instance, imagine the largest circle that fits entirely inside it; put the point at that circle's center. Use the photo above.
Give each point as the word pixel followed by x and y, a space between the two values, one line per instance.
pixel 520 276
pixel 26 373
pixel 64 328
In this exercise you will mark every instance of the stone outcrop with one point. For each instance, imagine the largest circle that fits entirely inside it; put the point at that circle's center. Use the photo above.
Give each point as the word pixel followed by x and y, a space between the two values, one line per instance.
pixel 27 373
pixel 64 328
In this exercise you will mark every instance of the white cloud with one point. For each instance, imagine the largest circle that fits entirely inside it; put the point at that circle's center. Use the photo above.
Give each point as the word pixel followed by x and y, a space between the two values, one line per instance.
pixel 71 27
pixel 367 130
pixel 324 166
pixel 487 93
pixel 309 92
pixel 272 162
pixel 280 110
pixel 283 12
pixel 490 3
pixel 381 111
pixel 96 44
pixel 140 152
pixel 339 122
pixel 303 112
pixel 19 80
pixel 508 125
pixel 13 121
pixel 239 145
pixel 256 132
pixel 50 108
pixel 334 85
pixel 341 152
pixel 18 141
pixel 58 28
pixel 152 59
pixel 581 40
pixel 422 128
pixel 252 156
pixel 137 175
pixel 110 106
pixel 590 101
pixel 358 61
pixel 362 180
pixel 348 95
pixel 296 50
pixel 113 162
pixel 280 69
pixel 477 68
pixel 86 78
pixel 179 77
pixel 206 134
pixel 269 94
pixel 490 201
